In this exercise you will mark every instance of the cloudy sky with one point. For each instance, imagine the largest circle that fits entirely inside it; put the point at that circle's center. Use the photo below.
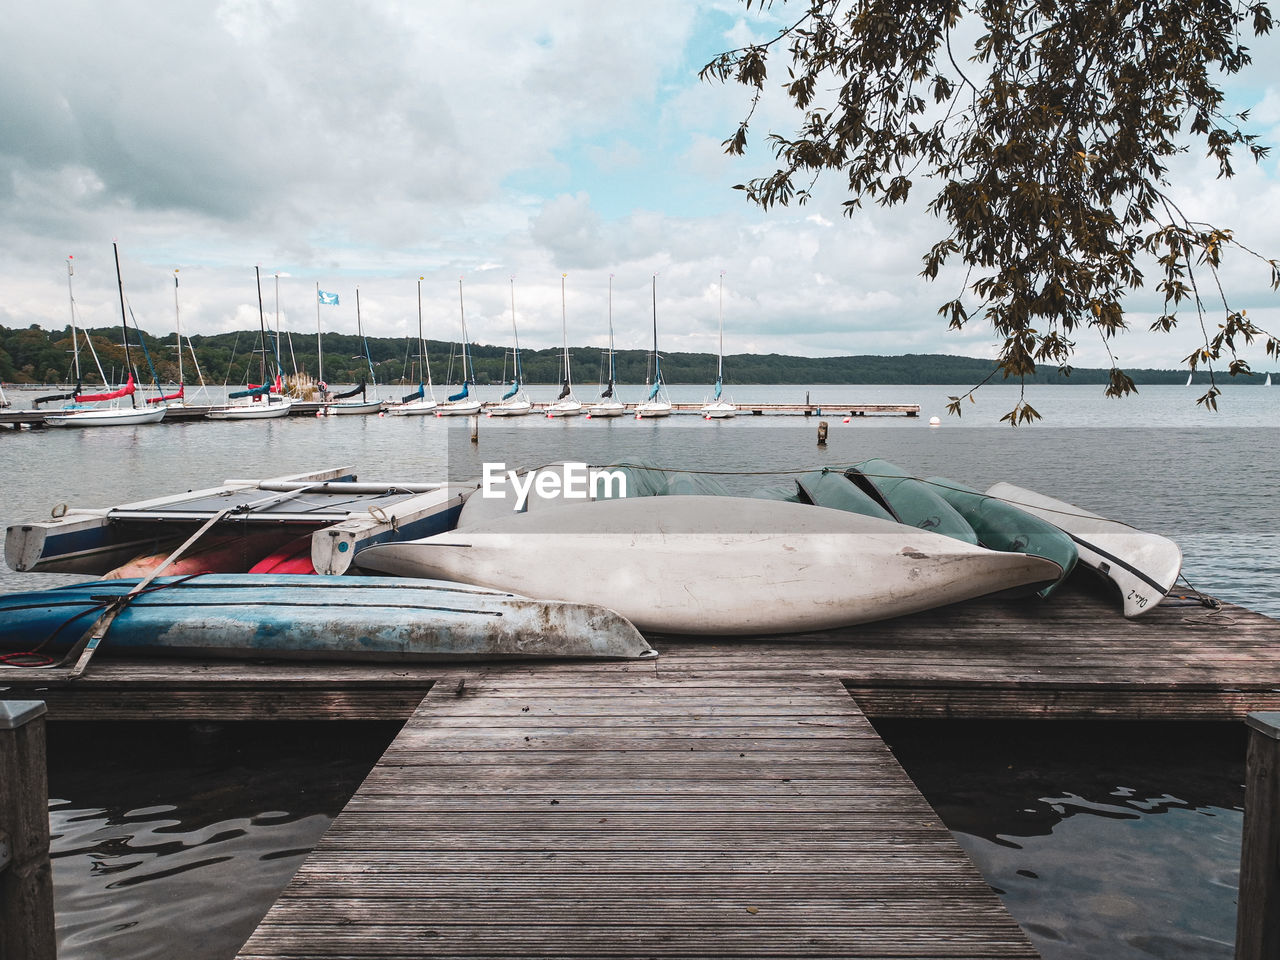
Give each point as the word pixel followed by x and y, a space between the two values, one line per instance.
pixel 365 144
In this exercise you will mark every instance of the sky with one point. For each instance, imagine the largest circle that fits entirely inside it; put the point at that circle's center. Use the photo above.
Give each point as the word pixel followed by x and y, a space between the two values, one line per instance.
pixel 550 152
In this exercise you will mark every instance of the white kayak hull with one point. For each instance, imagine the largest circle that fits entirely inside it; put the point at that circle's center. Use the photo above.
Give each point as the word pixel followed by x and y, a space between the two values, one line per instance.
pixel 1143 566
pixel 715 565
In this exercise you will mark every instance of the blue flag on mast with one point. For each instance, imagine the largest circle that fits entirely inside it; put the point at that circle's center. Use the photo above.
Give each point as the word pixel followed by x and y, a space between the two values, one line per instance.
pixel 328 299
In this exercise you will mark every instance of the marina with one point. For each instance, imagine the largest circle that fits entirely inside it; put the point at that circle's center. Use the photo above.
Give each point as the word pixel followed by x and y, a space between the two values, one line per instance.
pixel 37 419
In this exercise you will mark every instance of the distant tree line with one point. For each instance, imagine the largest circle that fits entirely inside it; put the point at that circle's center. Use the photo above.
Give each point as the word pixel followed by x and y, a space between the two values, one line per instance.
pixel 34 355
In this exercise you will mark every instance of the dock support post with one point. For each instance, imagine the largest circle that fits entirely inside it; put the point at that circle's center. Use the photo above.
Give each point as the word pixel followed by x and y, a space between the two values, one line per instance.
pixel 1258 913
pixel 26 879
pixel 474 421
pixel 822 433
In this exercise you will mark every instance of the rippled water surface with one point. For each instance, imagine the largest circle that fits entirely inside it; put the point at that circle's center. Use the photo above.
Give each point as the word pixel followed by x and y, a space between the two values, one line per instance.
pixel 172 840
pixel 1108 841
pixel 1105 840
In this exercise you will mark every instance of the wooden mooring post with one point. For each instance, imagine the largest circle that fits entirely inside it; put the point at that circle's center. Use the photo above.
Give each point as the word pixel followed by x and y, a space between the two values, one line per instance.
pixel 26 880
pixel 1258 911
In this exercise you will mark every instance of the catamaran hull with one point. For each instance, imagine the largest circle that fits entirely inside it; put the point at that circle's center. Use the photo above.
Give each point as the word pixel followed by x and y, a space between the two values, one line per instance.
pixel 105 418
pixel 317 618
pixel 715 565
pixel 1143 566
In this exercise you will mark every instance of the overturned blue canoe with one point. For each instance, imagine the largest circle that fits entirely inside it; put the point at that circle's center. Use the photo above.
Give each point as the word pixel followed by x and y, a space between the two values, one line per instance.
pixel 270 616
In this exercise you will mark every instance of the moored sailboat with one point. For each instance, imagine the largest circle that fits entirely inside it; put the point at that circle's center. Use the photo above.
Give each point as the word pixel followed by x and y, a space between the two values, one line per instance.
pixel 515 402
pixel 343 404
pixel 423 401
pixel 115 415
pixel 262 401
pixel 718 408
pixel 565 405
pixel 462 403
pixel 609 405
pixel 657 404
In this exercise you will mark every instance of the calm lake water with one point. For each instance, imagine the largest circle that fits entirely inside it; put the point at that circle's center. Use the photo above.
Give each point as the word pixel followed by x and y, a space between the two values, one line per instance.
pixel 1106 841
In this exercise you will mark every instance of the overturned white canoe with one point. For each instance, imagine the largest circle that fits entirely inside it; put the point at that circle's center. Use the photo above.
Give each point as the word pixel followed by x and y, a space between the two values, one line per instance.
pixel 715 565
pixel 1144 566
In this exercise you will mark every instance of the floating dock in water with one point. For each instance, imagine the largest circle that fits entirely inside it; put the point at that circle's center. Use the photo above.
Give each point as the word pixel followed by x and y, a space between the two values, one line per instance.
pixel 35 419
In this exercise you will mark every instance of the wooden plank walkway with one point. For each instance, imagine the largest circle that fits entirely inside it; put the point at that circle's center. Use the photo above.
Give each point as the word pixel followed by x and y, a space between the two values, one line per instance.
pixel 566 814
pixel 1072 657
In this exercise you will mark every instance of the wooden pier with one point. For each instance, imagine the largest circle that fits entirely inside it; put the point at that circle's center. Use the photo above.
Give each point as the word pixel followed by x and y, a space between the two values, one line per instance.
pixel 563 814
pixel 727 799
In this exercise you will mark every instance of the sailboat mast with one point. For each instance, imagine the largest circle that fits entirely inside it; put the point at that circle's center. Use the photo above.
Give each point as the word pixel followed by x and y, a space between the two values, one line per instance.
pixel 720 363
pixel 319 346
pixel 177 317
pixel 75 337
pixel 612 367
pixel 262 328
pixel 657 363
pixel 364 340
pixel 124 323
pixel 515 332
pixel 564 331
pixel 422 342
pixel 466 352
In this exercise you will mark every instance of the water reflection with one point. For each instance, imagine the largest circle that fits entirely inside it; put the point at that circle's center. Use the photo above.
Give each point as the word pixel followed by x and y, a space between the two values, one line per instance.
pixel 1107 841
pixel 189 832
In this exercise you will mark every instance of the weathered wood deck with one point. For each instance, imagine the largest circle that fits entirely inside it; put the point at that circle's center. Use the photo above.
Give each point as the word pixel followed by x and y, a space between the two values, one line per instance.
pixel 1074 656
pixel 726 799
pixel 571 814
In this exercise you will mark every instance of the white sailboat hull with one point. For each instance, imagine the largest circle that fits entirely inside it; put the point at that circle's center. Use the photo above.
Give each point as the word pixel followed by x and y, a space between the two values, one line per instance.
pixel 719 410
pixel 1144 566
pixel 715 565
pixel 356 408
pixel 414 408
pixel 516 407
pixel 275 407
pixel 106 417
pixel 567 407
pixel 607 408
pixel 458 408
pixel 653 408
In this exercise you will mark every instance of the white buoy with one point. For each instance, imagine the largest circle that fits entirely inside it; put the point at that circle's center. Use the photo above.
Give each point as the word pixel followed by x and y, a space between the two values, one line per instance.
pixel 935 422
